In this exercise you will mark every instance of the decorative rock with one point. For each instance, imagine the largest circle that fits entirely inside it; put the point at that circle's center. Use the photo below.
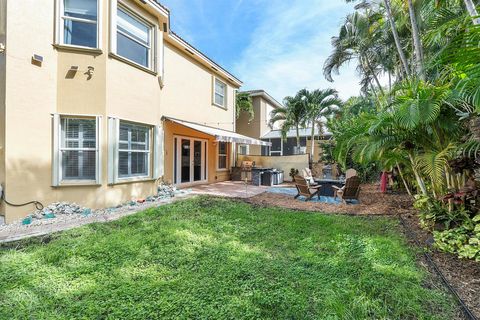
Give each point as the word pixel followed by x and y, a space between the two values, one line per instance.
pixel 48 215
pixel 27 220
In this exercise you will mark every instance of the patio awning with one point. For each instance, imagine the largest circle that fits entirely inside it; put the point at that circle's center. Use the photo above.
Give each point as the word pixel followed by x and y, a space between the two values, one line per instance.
pixel 219 134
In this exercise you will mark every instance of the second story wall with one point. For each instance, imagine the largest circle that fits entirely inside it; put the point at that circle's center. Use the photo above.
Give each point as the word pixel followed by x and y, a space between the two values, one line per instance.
pixel 259 125
pixel 188 91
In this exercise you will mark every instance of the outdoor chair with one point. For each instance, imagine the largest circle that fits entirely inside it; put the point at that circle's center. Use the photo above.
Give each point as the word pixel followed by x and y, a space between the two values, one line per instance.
pixel 350 173
pixel 305 189
pixel 349 191
pixel 307 174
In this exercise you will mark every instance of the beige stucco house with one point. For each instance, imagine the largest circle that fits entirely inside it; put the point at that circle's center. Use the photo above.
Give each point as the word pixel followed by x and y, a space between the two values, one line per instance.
pixel 263 104
pixel 99 100
pixel 259 128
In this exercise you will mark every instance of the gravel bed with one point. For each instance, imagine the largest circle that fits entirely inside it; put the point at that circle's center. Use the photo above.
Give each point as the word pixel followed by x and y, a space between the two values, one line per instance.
pixel 63 215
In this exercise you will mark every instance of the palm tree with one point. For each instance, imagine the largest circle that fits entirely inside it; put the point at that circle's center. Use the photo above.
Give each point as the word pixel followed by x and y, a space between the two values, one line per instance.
pixel 472 11
pixel 358 40
pixel 398 44
pixel 291 115
pixel 417 42
pixel 320 104
pixel 243 103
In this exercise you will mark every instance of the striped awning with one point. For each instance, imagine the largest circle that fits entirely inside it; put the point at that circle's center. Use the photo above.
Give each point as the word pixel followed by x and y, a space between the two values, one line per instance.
pixel 219 134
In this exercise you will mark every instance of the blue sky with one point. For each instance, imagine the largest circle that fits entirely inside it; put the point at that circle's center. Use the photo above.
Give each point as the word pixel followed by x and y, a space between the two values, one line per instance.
pixel 276 45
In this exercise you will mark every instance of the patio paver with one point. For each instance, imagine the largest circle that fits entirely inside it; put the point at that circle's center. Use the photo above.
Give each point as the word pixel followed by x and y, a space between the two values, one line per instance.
pixel 231 189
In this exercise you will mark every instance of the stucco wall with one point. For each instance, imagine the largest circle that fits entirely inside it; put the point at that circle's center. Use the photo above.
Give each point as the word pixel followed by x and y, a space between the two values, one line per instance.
pixel 256 127
pixel 214 175
pixel 30 99
pixel 188 92
pixel 34 92
pixel 284 163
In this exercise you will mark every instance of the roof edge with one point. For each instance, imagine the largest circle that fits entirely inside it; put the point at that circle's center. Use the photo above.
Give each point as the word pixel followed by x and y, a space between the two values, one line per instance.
pixel 264 94
pixel 195 52
pixel 160 8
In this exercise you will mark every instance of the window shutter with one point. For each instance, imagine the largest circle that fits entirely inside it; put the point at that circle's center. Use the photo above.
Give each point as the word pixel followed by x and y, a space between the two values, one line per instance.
pixel 98 172
pixel 113 131
pixel 55 149
pixel 158 160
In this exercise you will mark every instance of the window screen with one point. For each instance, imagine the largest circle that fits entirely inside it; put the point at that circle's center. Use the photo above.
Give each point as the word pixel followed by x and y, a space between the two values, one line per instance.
pixel 134 150
pixel 133 38
pixel 80 21
pixel 220 92
pixel 78 149
pixel 222 155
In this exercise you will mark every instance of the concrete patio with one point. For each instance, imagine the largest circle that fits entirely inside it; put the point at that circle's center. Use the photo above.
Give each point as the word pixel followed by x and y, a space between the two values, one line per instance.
pixel 232 189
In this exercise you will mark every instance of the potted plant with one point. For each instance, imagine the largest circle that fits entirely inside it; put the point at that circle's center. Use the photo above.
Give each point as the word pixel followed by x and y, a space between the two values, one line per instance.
pixel 293 173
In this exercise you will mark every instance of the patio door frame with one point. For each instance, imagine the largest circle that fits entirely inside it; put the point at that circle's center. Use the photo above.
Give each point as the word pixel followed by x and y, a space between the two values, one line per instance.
pixel 177 165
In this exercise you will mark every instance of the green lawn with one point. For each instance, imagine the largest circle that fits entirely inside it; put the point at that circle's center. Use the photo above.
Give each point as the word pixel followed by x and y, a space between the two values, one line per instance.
pixel 209 258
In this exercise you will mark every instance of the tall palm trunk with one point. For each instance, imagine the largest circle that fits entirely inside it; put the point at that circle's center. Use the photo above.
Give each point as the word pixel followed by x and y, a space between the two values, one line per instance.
pixel 313 140
pixel 369 65
pixel 420 182
pixel 403 179
pixel 417 42
pixel 398 44
pixel 298 137
pixel 472 11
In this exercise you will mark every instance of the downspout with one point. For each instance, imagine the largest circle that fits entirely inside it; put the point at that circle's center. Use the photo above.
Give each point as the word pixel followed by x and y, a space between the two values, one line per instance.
pixel 3 72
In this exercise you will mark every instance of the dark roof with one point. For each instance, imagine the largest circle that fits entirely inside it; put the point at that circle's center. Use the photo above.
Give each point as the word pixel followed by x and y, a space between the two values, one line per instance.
pixel 303 132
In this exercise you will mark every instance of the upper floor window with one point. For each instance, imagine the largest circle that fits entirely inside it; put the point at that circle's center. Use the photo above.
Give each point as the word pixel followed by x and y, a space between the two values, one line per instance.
pixel 220 93
pixel 134 38
pixel 79 23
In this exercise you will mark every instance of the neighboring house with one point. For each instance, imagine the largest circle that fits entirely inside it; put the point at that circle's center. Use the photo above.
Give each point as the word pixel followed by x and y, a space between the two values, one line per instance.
pixel 286 147
pixel 99 100
pixel 263 104
pixel 259 128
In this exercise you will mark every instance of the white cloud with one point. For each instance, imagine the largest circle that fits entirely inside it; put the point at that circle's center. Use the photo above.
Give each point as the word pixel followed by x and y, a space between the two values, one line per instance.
pixel 289 46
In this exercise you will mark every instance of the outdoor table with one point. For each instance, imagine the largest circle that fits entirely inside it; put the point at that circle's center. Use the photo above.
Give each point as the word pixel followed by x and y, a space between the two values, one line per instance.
pixel 326 188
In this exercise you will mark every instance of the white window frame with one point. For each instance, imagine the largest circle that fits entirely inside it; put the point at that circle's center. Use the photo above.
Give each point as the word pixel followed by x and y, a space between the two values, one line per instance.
pixel 154 47
pixel 223 155
pixel 247 149
pixel 155 158
pixel 224 106
pixel 148 152
pixel 57 174
pixel 60 26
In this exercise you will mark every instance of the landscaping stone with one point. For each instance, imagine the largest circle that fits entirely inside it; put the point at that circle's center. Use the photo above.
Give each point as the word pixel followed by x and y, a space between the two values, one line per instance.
pixel 61 213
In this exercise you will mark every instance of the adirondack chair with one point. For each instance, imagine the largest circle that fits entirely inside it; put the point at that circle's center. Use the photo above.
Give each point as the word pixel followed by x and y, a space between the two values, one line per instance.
pixel 307 174
pixel 350 173
pixel 305 189
pixel 349 191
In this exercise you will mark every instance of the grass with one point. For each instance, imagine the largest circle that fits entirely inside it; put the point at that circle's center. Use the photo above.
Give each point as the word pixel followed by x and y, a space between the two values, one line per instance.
pixel 209 258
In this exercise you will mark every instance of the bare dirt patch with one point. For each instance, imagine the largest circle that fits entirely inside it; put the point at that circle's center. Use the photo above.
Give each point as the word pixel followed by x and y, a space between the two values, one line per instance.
pixel 372 202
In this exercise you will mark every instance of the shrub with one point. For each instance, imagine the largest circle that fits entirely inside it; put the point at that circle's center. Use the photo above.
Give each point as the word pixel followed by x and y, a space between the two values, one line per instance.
pixel 463 240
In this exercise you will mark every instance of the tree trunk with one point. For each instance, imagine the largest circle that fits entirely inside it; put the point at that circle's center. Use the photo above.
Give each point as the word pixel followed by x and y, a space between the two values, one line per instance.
pixel 472 11
pixel 419 179
pixel 374 76
pixel 403 179
pixel 298 138
pixel 401 54
pixel 417 42
pixel 313 140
